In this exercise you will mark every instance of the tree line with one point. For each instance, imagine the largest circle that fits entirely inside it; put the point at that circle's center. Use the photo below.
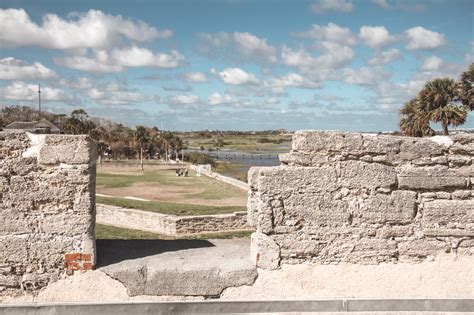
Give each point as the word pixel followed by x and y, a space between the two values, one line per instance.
pixel 443 100
pixel 115 141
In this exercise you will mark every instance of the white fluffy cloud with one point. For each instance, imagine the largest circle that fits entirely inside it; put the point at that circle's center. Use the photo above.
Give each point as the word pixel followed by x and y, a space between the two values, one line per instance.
pixel 365 76
pixel 293 80
pixel 15 69
pixel 421 38
pixel 432 63
pixel 237 76
pixel 375 36
pixel 384 57
pixel 333 56
pixel 116 97
pixel 400 5
pixel 93 29
pixel 113 93
pixel 142 57
pixel 322 6
pixel 21 91
pixel 239 47
pixel 195 77
pixel 219 99
pixel 331 33
pixel 183 99
pixel 118 59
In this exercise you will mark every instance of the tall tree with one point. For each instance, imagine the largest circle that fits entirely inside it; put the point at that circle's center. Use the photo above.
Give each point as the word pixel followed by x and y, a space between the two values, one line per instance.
pixel 142 136
pixel 414 121
pixel 439 99
pixel 466 87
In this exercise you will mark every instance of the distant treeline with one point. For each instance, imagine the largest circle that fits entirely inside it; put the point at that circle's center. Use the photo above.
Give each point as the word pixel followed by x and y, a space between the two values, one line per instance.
pixel 114 140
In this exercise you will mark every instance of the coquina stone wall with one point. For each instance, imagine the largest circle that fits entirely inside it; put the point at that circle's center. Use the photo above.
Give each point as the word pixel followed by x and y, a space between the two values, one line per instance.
pixel 47 208
pixel 170 224
pixel 360 198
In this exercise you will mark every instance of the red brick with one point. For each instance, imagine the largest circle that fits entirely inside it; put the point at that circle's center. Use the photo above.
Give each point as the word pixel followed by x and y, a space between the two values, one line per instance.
pixel 86 257
pixel 72 256
pixel 72 265
pixel 87 266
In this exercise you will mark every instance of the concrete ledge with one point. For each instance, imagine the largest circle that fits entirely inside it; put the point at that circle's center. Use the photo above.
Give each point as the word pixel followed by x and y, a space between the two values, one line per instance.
pixel 444 306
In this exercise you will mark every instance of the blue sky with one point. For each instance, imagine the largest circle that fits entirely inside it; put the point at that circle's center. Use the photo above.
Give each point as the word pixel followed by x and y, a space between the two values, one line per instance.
pixel 236 64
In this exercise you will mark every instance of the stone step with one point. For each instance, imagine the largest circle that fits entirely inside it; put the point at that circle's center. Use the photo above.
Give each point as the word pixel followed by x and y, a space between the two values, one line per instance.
pixel 177 267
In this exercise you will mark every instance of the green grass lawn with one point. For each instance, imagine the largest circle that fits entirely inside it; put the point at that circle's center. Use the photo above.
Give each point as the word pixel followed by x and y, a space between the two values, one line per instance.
pixel 167 207
pixel 244 143
pixel 112 232
pixel 210 189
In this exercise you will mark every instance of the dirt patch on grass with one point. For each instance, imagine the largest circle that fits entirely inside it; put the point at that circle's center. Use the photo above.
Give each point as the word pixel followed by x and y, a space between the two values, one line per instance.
pixel 187 190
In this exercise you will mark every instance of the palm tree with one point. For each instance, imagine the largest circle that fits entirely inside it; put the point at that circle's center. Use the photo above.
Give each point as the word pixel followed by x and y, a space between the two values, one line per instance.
pixel 142 137
pixel 413 120
pixel 439 99
pixel 466 87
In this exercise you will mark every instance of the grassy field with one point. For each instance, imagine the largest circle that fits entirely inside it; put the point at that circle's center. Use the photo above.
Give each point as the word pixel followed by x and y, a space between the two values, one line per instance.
pixel 168 207
pixel 112 232
pixel 185 188
pixel 245 143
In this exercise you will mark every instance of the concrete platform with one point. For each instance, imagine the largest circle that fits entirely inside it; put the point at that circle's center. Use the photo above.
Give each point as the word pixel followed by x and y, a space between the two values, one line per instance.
pixel 177 267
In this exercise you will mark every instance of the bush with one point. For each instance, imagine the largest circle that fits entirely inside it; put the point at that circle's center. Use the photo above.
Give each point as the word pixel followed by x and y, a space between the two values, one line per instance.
pixel 200 158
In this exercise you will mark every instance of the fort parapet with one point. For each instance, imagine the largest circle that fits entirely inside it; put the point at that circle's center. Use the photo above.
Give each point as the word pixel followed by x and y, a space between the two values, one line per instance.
pixel 47 208
pixel 363 198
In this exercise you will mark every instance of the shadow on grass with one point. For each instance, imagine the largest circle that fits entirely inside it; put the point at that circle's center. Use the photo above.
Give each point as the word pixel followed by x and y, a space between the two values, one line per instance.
pixel 111 251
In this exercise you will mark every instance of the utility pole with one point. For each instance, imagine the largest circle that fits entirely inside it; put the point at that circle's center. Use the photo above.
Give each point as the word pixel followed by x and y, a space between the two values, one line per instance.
pixel 39 99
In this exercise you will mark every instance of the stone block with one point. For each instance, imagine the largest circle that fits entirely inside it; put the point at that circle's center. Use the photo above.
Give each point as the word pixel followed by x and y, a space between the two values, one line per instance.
pixel 67 149
pixel 291 179
pixel 303 159
pixel 443 232
pixel 264 252
pixel 252 177
pixel 429 178
pixel 77 224
pixel 399 207
pixel 411 149
pixel 444 212
pixel 358 174
pixel 364 251
pixel 323 141
pixel 422 248
pixel 13 248
pixel 316 209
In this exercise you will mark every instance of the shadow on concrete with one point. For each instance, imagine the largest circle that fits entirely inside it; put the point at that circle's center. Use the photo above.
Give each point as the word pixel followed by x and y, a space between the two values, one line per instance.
pixel 114 251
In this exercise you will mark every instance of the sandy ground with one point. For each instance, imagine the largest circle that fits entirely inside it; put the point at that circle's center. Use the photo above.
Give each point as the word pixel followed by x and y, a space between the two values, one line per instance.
pixel 446 277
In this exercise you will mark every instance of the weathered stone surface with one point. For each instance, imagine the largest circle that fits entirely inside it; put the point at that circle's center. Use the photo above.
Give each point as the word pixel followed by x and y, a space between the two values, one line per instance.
pixel 422 248
pixel 357 174
pixel 399 207
pixel 429 178
pixel 317 141
pixel 315 209
pixel 303 159
pixel 183 267
pixel 348 197
pixel 69 150
pixel 448 212
pixel 412 149
pixel 47 208
pixel 264 252
pixel 281 179
pixel 367 250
